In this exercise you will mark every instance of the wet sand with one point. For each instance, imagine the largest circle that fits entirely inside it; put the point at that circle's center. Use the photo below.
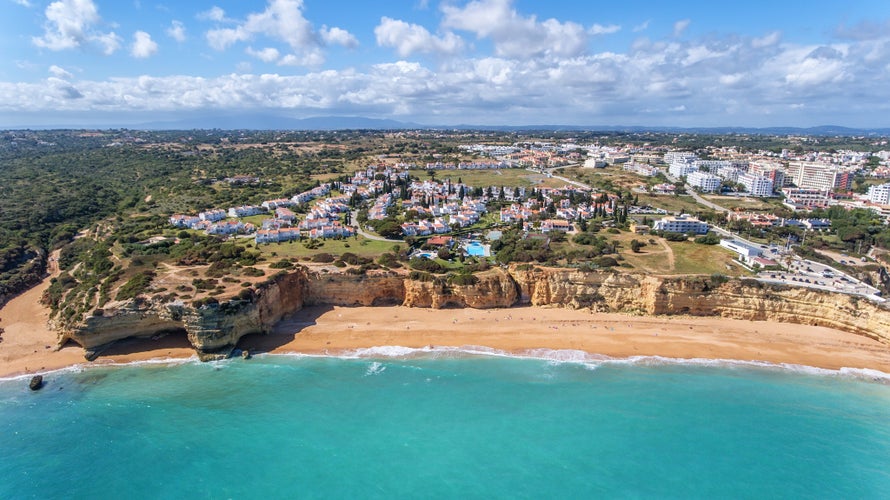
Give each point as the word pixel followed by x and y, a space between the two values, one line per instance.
pixel 518 330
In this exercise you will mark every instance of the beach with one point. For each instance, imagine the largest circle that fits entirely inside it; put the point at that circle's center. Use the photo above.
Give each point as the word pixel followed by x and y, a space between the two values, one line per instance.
pixel 29 346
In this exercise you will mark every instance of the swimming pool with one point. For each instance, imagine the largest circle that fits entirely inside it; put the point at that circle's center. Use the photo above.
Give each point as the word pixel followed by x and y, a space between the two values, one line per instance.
pixel 476 249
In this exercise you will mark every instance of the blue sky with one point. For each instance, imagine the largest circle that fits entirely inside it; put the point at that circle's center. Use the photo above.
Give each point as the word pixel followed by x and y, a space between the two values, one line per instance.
pixel 484 62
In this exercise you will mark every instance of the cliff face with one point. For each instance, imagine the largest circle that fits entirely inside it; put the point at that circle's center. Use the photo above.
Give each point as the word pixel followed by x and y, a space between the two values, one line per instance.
pixel 495 288
pixel 703 296
pixel 352 290
pixel 215 329
pixel 212 329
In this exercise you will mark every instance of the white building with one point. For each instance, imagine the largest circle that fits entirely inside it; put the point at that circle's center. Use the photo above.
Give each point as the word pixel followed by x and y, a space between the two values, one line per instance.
pixel 681 169
pixel 708 183
pixel 745 251
pixel 757 185
pixel 679 157
pixel 730 174
pixel 712 165
pixel 681 224
pixel 879 194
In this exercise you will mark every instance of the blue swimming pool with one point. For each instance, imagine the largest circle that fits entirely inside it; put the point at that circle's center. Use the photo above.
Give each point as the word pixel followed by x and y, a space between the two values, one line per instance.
pixel 476 249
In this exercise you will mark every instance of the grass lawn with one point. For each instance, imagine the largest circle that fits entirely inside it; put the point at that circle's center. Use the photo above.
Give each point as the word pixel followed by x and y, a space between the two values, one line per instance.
pixel 671 203
pixel 692 258
pixel 667 257
pixel 741 203
pixel 360 246
pixel 605 178
pixel 511 177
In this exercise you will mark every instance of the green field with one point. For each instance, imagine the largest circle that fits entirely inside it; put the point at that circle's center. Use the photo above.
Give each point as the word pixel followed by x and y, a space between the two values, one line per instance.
pixel 743 204
pixel 671 203
pixel 359 246
pixel 513 177
pixel 692 258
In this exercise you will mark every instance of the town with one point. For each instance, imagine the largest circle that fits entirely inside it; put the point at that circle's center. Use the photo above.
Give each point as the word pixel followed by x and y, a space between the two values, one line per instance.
pixel 756 205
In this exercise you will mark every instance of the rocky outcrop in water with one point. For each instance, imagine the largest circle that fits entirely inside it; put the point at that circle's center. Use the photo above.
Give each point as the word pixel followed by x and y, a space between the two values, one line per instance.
pixel 214 328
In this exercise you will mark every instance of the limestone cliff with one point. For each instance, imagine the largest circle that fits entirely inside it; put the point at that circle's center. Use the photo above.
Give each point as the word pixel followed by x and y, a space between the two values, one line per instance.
pixel 214 328
pixel 355 290
pixel 494 288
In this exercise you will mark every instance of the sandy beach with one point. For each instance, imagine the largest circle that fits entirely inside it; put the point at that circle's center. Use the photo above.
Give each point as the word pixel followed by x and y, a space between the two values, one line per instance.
pixel 28 346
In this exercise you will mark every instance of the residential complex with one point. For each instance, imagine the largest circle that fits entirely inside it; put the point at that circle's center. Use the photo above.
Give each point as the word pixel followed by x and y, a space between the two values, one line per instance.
pixel 708 183
pixel 681 224
pixel 756 184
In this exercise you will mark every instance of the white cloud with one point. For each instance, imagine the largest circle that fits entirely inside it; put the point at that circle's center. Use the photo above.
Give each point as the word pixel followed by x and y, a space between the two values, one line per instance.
pixel 24 3
pixel 143 46
pixel 60 72
pixel 215 13
pixel 109 42
pixel 70 24
pixel 709 78
pixel 767 40
pixel 642 26
pixel 408 39
pixel 513 34
pixel 338 36
pixel 680 26
pixel 283 21
pixel 176 31
pixel 268 54
pixel 599 29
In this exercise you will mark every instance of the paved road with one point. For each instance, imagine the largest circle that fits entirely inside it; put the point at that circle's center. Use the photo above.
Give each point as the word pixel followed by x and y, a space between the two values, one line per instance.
pixel 362 233
pixel 702 201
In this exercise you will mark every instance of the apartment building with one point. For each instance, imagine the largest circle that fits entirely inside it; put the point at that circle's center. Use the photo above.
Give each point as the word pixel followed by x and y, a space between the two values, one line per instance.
pixel 756 184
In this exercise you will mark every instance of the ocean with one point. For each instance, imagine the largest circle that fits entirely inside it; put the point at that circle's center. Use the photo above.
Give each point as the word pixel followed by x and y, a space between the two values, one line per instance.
pixel 446 424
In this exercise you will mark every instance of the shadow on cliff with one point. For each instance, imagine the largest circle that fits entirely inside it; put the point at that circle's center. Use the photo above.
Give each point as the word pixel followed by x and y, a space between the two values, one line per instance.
pixel 284 331
pixel 135 345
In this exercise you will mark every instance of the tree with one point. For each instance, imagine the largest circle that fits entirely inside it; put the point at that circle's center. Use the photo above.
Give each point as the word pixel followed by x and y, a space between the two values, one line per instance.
pixel 636 245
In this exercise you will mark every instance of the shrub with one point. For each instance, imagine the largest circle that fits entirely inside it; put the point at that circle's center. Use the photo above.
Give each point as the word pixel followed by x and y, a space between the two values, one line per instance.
pixel 253 272
pixel 675 237
pixel 136 285
pixel 323 257
pixel 354 260
pixel 420 276
pixel 463 279
pixel 427 265
pixel 605 261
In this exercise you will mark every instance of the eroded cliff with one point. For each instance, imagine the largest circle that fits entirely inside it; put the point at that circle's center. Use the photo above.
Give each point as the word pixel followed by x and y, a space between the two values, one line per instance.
pixel 214 328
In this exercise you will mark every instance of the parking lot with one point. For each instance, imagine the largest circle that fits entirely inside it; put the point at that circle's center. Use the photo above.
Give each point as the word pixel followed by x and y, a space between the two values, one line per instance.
pixel 815 275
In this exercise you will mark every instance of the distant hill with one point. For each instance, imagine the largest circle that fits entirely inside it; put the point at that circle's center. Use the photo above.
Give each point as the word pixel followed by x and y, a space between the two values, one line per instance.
pixel 275 121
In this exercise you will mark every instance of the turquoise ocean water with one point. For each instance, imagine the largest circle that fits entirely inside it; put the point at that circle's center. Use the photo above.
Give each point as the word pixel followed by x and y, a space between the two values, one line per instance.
pixel 443 425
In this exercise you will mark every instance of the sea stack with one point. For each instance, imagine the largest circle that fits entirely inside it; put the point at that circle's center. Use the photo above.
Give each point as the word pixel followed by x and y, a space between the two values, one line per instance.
pixel 36 383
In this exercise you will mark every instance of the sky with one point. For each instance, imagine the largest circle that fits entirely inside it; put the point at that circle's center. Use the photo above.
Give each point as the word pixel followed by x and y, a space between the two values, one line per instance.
pixel 111 63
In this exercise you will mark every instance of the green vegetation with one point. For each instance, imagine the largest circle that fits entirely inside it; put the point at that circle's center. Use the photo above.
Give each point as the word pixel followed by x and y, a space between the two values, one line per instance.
pixel 103 199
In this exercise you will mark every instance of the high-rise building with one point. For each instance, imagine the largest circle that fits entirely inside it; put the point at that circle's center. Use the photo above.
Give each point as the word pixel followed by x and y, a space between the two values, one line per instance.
pixel 879 194
pixel 756 185
pixel 704 181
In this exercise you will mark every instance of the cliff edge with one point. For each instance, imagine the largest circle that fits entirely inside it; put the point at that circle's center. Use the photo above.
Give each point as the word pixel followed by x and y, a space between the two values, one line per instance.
pixel 214 327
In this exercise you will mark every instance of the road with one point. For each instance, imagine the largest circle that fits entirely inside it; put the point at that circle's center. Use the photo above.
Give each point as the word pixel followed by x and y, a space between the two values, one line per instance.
pixel 695 196
pixel 701 201
pixel 361 232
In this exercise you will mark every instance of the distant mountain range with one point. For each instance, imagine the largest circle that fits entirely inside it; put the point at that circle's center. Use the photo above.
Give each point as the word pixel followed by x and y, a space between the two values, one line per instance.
pixel 263 121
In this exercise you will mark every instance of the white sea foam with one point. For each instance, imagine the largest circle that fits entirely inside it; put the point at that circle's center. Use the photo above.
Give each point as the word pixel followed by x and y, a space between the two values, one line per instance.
pixel 81 367
pixel 593 361
pixel 375 368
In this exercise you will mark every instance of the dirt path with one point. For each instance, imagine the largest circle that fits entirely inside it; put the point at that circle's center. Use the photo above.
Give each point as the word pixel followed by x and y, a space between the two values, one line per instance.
pixel 650 251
